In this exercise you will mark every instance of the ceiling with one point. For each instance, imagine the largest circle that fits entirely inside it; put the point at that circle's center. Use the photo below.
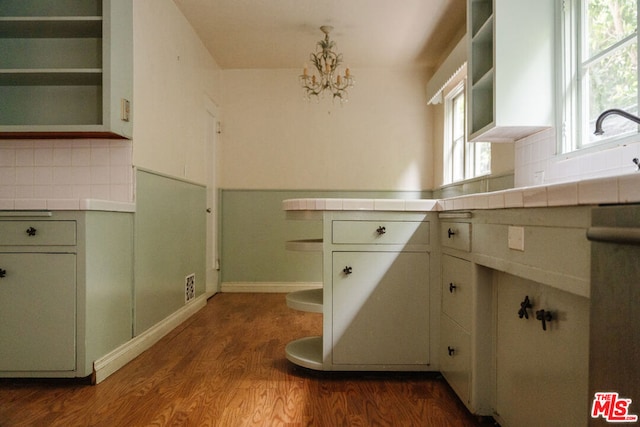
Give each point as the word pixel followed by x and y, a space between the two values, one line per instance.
pixel 369 33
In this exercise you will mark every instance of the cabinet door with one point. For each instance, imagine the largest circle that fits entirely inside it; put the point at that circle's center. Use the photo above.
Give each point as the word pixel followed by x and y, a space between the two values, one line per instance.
pixel 38 312
pixel 380 308
pixel 541 375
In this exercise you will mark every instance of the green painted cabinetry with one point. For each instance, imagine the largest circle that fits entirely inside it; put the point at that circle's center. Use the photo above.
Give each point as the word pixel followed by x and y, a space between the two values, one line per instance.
pixel 38 306
pixel 510 68
pixel 65 290
pixel 378 301
pixel 66 68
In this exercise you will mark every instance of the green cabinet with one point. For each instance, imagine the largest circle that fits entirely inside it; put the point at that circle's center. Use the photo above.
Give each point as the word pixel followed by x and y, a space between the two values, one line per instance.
pixel 377 299
pixel 510 68
pixel 541 370
pixel 66 68
pixel 380 309
pixel 65 290
pixel 38 306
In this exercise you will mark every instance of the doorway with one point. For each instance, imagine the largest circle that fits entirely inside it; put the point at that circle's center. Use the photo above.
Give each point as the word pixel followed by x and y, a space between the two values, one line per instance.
pixel 212 260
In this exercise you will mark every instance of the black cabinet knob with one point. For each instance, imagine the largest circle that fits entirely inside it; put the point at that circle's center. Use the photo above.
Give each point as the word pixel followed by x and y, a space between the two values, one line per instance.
pixel 450 233
pixel 544 316
pixel 347 270
pixel 452 287
pixel 3 272
pixel 31 231
pixel 451 350
pixel 381 230
pixel 524 305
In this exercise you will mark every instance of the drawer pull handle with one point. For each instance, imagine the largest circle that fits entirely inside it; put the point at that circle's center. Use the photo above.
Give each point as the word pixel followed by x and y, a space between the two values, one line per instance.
pixel 3 272
pixel 523 308
pixel 31 231
pixel 381 230
pixel 450 233
pixel 451 351
pixel 347 270
pixel 452 287
pixel 544 316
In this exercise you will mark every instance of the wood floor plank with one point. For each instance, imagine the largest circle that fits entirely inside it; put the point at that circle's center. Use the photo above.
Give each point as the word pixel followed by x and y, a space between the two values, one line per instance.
pixel 226 366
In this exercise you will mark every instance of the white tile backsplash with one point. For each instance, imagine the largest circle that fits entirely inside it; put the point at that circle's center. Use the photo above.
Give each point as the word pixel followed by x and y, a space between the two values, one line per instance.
pixel 535 158
pixel 66 170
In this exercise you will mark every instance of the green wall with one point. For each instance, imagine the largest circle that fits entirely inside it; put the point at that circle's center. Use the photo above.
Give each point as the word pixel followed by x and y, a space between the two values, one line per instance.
pixel 253 232
pixel 170 244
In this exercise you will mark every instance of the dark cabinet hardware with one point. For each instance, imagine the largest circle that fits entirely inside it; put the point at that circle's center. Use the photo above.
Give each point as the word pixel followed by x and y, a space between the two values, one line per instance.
pixel 524 305
pixel 31 231
pixel 3 272
pixel 544 316
pixel 381 230
pixel 347 270
pixel 450 233
pixel 452 287
pixel 451 350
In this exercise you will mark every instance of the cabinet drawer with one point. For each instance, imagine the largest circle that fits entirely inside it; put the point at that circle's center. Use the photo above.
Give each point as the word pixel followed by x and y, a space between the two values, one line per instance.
pixel 456 235
pixel 48 233
pixel 381 232
pixel 457 290
pixel 455 359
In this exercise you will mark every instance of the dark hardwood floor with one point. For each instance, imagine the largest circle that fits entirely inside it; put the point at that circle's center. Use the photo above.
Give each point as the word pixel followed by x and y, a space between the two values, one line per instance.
pixel 226 366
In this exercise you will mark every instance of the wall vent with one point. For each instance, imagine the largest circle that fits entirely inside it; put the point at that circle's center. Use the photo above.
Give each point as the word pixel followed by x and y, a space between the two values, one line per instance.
pixel 189 287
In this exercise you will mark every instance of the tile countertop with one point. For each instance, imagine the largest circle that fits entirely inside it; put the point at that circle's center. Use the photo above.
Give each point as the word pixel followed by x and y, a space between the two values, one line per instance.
pixel 610 190
pixel 66 205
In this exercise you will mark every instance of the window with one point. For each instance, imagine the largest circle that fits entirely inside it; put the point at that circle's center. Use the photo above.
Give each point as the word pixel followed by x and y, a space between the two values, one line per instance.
pixel 600 69
pixel 462 159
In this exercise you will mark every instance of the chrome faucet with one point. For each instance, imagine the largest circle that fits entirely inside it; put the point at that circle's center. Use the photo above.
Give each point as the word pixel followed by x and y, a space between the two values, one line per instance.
pixel 605 113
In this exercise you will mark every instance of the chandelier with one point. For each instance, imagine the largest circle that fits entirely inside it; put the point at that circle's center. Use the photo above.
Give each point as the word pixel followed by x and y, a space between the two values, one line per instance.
pixel 326 62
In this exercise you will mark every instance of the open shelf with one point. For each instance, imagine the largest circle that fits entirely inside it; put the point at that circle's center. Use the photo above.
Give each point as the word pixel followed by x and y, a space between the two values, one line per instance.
pixel 309 300
pixel 51 77
pixel 51 27
pixel 66 68
pixel 306 352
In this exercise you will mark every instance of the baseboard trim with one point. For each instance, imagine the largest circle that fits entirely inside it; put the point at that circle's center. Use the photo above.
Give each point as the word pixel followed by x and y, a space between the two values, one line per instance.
pixel 128 351
pixel 269 287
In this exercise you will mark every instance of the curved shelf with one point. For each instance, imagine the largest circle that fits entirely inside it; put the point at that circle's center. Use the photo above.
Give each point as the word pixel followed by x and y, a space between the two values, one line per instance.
pixel 304 245
pixel 306 352
pixel 309 300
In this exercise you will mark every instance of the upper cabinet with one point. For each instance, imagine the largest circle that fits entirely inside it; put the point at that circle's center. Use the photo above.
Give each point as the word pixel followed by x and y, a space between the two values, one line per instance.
pixel 66 68
pixel 510 68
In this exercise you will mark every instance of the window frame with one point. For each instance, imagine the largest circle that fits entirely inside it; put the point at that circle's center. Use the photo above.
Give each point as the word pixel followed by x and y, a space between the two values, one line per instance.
pixel 467 163
pixel 573 132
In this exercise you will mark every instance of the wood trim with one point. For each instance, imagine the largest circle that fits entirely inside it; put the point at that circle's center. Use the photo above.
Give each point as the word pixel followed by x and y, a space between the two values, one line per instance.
pixel 111 362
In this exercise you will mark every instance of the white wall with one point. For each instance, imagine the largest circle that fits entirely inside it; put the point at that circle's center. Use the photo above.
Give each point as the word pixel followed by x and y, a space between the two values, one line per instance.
pixel 173 75
pixel 272 138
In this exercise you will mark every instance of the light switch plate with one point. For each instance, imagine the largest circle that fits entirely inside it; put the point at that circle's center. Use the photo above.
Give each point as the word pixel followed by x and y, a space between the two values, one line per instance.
pixel 516 238
pixel 125 111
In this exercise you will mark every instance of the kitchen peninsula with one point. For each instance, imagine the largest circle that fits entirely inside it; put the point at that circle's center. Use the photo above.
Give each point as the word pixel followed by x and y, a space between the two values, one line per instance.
pixel 495 294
